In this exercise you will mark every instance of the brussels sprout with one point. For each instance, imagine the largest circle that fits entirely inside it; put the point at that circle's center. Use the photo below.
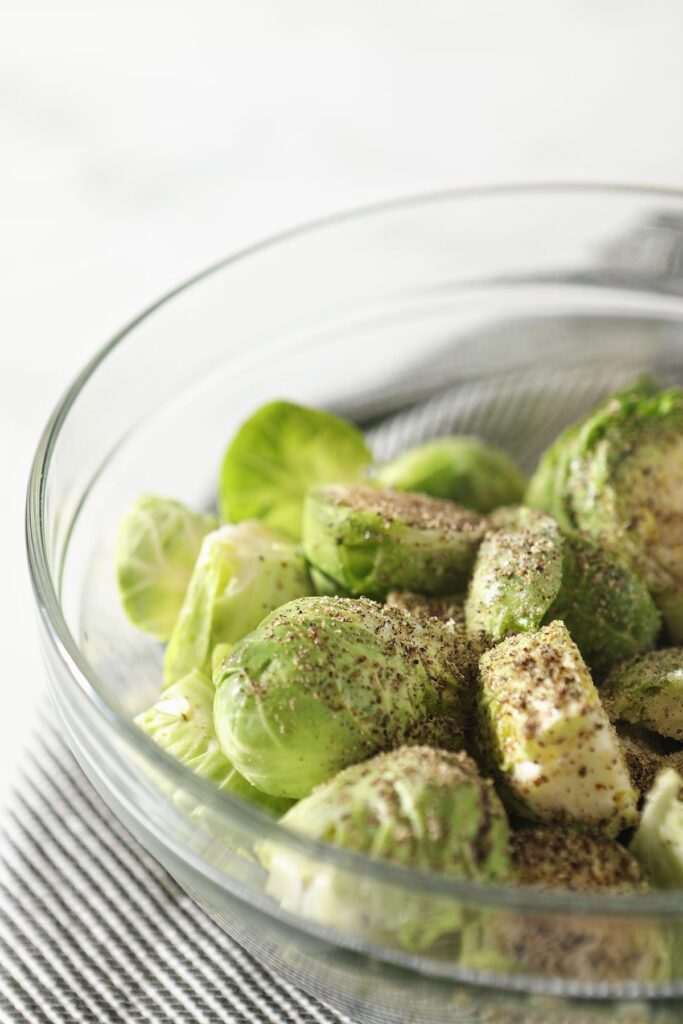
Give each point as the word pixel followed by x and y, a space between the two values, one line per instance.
pixel 648 691
pixel 526 577
pixel 548 488
pixel 181 722
pixel 372 541
pixel 242 573
pixel 277 454
pixel 462 469
pixel 627 493
pixel 417 807
pixel 580 947
pixel 621 486
pixel 517 578
pixel 157 545
pixel 658 843
pixel 549 739
pixel 325 682
pixel 575 860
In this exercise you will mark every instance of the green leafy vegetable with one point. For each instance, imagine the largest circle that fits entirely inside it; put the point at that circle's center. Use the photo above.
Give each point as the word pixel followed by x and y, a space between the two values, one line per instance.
pixel 181 722
pixel 462 469
pixel 277 454
pixel 548 737
pixel 526 577
pixel 417 807
pixel 157 545
pixel 242 573
pixel 325 682
pixel 372 541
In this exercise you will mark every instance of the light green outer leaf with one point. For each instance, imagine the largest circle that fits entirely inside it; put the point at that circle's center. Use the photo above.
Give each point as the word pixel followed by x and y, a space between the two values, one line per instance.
pixel 181 722
pixel 243 572
pixel 156 548
pixel 277 454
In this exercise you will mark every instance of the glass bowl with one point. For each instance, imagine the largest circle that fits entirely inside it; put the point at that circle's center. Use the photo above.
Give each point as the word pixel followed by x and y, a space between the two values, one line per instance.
pixel 506 312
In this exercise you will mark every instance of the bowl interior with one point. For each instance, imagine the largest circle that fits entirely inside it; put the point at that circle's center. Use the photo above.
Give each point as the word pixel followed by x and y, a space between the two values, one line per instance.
pixel 504 314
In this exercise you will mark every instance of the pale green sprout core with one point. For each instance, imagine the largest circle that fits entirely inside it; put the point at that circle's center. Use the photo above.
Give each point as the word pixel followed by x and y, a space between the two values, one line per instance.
pixel 242 573
pixel 658 843
pixel 157 546
pixel 277 454
pixel 181 721
pixel 462 469
pixel 548 737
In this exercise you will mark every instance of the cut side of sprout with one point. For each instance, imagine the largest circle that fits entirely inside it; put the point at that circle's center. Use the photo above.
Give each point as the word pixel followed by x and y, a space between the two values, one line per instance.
pixel 556 753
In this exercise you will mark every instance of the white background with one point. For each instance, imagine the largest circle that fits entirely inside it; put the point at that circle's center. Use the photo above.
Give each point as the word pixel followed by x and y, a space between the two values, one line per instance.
pixel 141 140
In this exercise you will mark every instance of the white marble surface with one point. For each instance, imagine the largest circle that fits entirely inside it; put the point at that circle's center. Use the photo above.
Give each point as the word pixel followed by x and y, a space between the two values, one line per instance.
pixel 141 140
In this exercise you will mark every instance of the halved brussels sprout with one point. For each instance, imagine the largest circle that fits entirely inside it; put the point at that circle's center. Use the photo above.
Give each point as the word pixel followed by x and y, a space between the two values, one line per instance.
pixel 648 691
pixel 325 682
pixel 242 573
pixel 549 489
pixel 417 807
pixel 574 860
pixel 157 545
pixel 181 722
pixel 528 576
pixel 460 468
pixel 621 485
pixel 658 843
pixel 549 739
pixel 372 541
pixel 277 454
pixel 626 481
pixel 516 579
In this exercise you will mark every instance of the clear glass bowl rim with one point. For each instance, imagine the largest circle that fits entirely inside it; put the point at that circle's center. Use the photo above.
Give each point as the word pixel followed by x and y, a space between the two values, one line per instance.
pixel 65 646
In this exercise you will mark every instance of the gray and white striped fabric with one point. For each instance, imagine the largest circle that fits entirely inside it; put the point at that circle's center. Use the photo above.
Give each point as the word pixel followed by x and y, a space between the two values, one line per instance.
pixel 74 945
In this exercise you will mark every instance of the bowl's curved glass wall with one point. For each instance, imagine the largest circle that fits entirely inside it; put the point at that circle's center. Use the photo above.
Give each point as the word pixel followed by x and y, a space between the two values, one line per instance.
pixel 503 313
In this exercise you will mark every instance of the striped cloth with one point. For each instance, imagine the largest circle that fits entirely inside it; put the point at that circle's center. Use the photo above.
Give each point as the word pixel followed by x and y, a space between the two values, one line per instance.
pixel 93 929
